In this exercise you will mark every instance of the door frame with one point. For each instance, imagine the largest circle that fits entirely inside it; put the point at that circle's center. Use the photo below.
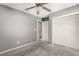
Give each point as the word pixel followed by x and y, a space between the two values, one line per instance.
pixel 39 35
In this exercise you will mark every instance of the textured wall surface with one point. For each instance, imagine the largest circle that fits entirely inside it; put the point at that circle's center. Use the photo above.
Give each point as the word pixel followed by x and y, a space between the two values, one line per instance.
pixel 16 28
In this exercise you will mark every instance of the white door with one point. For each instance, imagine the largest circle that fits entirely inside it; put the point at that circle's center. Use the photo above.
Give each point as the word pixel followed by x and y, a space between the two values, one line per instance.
pixel 45 30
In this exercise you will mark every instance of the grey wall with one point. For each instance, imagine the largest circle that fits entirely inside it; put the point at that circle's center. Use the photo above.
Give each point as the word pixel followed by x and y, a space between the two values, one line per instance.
pixel 16 28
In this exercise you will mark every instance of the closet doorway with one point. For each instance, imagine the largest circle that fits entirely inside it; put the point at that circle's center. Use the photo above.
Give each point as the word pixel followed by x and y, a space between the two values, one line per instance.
pixel 45 28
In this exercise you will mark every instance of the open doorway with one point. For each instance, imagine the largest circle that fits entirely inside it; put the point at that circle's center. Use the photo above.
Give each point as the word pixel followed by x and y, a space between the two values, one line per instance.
pixel 45 32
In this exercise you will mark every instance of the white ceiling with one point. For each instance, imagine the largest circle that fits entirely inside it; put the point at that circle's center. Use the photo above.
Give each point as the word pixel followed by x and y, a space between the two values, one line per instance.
pixel 53 6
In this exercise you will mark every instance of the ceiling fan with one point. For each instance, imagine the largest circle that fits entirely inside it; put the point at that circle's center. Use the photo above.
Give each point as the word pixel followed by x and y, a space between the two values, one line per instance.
pixel 37 5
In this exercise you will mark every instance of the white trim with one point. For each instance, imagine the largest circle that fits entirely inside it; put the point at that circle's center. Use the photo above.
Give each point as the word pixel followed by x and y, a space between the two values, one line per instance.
pixel 17 47
pixel 38 29
pixel 66 15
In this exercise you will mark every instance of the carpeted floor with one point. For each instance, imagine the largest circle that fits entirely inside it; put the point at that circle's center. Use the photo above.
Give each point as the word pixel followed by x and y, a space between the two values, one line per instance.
pixel 55 52
pixel 44 49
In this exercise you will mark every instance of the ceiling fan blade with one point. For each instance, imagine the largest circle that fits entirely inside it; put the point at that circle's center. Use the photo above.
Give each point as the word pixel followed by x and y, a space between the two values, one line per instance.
pixel 41 4
pixel 30 8
pixel 45 8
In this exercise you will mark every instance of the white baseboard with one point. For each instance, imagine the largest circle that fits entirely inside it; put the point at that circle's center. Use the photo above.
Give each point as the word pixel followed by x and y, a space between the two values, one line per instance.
pixel 18 47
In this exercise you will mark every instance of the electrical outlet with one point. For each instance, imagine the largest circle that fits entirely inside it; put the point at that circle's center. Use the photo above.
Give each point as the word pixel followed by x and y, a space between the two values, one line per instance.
pixel 35 29
pixel 18 42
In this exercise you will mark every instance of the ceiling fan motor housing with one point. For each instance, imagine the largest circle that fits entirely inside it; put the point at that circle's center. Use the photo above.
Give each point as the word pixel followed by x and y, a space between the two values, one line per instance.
pixel 38 4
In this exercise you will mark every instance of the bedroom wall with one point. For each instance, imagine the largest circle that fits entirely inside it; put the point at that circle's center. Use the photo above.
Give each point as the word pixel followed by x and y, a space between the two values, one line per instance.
pixel 16 28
